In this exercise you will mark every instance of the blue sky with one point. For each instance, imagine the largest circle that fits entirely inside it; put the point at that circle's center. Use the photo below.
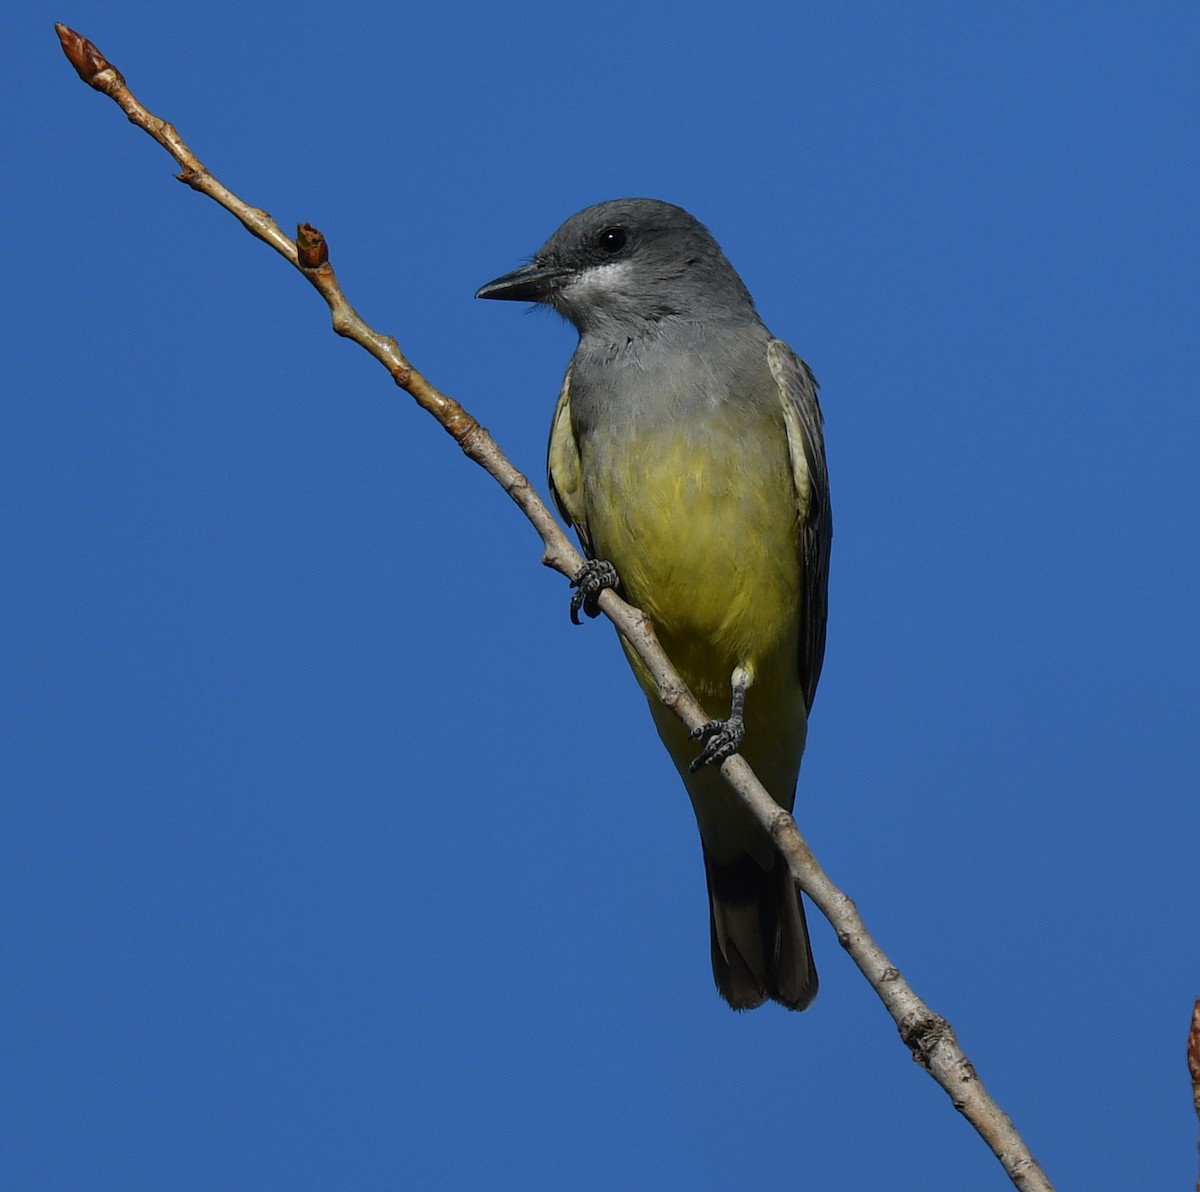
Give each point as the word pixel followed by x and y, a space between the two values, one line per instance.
pixel 333 856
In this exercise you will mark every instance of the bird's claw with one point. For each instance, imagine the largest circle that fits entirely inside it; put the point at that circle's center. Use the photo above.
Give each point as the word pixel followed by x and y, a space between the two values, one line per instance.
pixel 590 580
pixel 721 740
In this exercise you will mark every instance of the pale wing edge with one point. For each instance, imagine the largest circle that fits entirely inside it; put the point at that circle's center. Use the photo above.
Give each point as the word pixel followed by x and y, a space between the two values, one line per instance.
pixel 564 470
pixel 806 443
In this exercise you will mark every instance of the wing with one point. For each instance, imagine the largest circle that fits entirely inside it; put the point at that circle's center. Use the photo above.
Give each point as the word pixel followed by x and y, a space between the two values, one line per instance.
pixel 806 443
pixel 564 470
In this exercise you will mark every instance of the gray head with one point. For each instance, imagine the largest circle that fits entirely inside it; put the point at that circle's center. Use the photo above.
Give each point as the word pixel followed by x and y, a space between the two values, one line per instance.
pixel 626 266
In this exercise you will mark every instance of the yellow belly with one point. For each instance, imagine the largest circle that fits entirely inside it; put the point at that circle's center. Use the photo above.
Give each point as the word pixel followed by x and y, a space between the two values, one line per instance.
pixel 706 545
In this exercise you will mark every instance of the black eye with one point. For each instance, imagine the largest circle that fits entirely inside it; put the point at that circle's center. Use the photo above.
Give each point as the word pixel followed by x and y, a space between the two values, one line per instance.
pixel 611 240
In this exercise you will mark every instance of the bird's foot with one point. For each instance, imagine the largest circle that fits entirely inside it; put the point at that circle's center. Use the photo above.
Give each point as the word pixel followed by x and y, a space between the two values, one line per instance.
pixel 590 580
pixel 721 740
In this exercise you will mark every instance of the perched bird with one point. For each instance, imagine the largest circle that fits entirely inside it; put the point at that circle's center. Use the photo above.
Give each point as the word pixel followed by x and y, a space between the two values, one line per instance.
pixel 687 452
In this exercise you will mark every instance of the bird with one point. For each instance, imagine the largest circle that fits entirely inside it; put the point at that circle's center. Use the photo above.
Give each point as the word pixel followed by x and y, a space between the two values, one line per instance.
pixel 687 451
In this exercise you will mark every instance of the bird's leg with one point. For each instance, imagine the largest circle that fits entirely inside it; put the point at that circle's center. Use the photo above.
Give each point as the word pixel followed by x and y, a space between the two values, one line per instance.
pixel 590 580
pixel 722 737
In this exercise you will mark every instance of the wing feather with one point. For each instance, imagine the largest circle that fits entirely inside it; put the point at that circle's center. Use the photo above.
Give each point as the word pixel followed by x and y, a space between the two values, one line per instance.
pixel 564 469
pixel 806 444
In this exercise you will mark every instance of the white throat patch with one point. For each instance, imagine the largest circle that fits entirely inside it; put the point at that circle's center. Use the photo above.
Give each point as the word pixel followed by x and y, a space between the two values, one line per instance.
pixel 599 282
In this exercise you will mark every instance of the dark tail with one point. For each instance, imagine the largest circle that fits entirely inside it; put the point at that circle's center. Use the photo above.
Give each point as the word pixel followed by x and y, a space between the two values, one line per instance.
pixel 760 946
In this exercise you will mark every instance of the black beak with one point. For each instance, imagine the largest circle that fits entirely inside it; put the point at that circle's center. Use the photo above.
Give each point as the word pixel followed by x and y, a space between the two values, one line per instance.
pixel 530 283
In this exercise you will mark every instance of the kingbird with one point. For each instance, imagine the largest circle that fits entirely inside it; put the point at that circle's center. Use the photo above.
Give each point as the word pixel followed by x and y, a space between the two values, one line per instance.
pixel 687 452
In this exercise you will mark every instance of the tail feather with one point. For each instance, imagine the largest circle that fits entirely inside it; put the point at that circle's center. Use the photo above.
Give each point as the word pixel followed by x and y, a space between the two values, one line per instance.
pixel 760 945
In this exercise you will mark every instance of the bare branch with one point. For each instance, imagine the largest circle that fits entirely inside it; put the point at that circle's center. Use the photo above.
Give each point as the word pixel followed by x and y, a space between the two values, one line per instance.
pixel 929 1036
pixel 1193 1058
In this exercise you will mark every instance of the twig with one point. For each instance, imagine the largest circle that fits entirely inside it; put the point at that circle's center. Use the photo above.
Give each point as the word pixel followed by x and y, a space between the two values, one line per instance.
pixel 1193 1059
pixel 928 1035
